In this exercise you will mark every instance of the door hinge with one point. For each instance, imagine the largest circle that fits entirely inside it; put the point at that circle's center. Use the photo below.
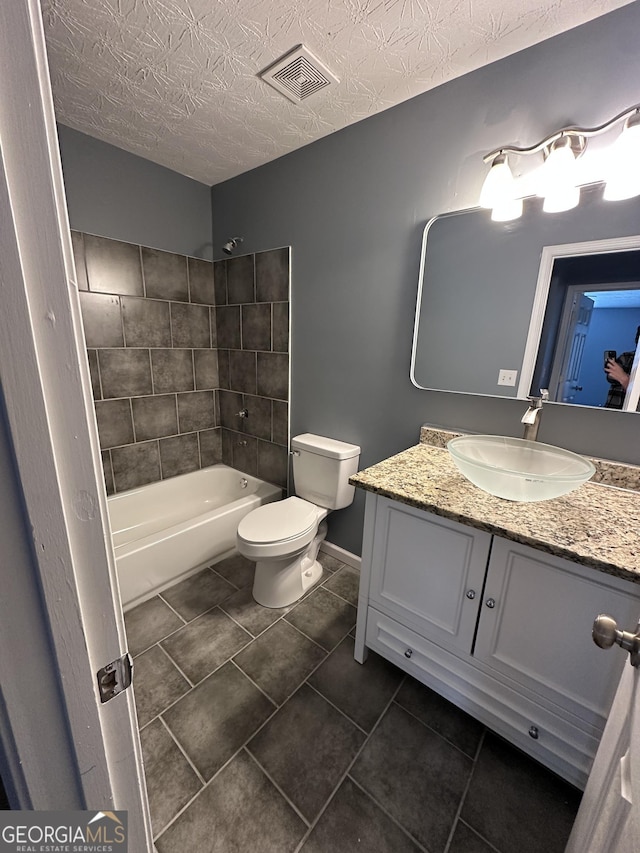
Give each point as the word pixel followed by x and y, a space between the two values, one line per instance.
pixel 115 677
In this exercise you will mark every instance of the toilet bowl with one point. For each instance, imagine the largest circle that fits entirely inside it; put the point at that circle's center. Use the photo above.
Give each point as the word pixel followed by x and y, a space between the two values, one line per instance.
pixel 284 537
pixel 284 542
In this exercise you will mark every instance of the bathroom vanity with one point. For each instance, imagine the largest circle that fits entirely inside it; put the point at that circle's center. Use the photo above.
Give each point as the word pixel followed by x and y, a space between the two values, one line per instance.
pixel 490 603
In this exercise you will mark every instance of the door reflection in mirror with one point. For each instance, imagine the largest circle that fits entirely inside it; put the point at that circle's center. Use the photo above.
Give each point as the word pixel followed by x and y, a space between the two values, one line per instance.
pixel 593 306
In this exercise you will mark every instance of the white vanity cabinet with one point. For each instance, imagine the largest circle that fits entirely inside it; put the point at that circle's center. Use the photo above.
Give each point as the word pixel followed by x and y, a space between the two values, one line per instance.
pixel 500 629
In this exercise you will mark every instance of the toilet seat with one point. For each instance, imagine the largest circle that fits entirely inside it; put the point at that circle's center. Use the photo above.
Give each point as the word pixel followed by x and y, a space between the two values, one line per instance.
pixel 280 527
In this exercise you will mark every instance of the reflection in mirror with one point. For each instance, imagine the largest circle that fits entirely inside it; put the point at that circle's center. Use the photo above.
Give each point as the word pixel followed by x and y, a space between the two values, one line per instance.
pixel 482 296
pixel 592 315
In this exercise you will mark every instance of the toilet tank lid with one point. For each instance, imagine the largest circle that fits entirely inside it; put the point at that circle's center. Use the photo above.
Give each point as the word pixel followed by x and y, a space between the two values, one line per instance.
pixel 324 446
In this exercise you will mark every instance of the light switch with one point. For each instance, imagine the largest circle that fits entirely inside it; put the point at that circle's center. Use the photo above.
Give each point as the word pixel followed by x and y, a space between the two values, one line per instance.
pixel 507 377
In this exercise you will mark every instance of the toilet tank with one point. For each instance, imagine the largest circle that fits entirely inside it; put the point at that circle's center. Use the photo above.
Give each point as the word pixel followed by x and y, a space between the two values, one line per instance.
pixel 321 469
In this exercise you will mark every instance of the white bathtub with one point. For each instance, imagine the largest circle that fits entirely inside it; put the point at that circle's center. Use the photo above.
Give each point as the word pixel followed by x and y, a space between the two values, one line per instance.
pixel 165 531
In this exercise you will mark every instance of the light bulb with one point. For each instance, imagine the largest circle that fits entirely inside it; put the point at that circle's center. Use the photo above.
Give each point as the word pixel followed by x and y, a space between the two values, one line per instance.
pixel 623 163
pixel 558 178
pixel 499 185
pixel 507 210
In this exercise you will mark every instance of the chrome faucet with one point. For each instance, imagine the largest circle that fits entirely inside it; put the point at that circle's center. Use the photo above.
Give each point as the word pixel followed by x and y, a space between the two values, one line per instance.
pixel 531 418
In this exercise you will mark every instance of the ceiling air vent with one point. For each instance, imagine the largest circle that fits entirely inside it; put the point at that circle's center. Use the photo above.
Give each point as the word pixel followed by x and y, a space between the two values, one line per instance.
pixel 298 75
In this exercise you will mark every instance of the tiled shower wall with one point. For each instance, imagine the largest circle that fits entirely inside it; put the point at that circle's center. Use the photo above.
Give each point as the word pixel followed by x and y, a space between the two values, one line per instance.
pixel 151 331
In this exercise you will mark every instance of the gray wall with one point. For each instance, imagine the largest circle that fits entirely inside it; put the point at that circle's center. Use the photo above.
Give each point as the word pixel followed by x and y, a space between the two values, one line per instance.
pixel 353 207
pixel 112 193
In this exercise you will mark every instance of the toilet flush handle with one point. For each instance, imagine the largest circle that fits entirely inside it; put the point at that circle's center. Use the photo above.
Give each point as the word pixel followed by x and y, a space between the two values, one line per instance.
pixel 294 453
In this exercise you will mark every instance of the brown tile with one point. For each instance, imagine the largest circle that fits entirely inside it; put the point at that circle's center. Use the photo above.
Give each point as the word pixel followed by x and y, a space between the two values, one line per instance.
pixel 154 417
pixel 223 368
pixel 205 644
pixel 172 370
pixel 201 281
pixel 135 465
pixel 115 426
pixel 113 266
pixel 125 373
pixel 305 748
pixel 146 322
pixel 157 684
pixel 179 454
pixel 240 811
pixel 149 622
pixel 165 275
pixel 361 691
pixel 171 781
pixel 279 660
pixel 217 717
pixel 198 593
pixel 272 275
pixel 101 320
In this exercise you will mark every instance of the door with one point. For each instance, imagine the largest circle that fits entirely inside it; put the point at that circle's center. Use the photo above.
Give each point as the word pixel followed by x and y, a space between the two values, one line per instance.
pixel 609 817
pixel 62 581
pixel 573 336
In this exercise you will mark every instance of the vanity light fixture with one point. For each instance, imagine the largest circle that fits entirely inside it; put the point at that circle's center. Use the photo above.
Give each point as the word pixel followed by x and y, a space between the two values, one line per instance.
pixel 558 177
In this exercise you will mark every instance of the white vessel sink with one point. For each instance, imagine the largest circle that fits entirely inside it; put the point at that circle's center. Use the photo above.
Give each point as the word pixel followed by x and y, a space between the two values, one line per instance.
pixel 517 469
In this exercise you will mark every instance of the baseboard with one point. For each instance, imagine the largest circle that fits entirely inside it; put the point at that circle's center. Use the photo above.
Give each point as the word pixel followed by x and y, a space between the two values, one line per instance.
pixel 341 554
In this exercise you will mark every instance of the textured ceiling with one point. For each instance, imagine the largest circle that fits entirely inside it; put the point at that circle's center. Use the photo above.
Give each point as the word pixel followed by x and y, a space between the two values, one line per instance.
pixel 176 81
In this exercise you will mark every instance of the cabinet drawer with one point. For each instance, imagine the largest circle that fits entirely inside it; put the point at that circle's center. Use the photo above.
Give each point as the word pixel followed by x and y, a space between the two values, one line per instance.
pixel 428 572
pixel 559 745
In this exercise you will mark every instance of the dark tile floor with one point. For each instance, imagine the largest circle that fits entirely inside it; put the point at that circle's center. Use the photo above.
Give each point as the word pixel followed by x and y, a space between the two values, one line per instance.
pixel 261 734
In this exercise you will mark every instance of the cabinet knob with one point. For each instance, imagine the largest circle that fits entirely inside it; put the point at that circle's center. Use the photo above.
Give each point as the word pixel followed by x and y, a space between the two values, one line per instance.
pixel 491 603
pixel 533 732
pixel 471 594
pixel 408 653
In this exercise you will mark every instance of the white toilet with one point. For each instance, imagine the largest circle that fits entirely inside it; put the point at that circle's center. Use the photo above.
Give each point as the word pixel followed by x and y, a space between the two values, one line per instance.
pixel 284 537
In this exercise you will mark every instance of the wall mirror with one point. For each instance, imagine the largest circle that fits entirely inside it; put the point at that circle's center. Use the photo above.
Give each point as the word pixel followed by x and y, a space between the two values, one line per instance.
pixel 495 300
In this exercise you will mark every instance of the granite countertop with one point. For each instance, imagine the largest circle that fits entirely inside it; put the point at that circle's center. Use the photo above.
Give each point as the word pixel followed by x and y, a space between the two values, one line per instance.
pixel 596 525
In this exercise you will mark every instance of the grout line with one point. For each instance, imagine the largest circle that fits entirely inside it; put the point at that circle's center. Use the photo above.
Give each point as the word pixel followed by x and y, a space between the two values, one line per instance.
pixel 491 846
pixel 347 771
pixel 394 820
pixel 185 621
pixel 335 707
pixel 278 788
pixel 440 735
pixel 255 684
pixel 182 673
pixel 307 637
pixel 180 747
pixel 335 594
pixel 463 797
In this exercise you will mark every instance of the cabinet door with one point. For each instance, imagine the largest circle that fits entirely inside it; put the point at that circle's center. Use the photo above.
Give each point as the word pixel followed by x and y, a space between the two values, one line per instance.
pixel 428 572
pixel 537 631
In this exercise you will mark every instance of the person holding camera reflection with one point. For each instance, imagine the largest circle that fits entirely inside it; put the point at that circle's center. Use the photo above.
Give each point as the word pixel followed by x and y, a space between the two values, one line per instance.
pixel 618 371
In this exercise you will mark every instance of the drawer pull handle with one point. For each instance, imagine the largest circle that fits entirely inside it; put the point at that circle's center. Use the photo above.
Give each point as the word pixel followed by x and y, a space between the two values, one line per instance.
pixel 491 603
pixel 471 594
pixel 533 732
pixel 408 653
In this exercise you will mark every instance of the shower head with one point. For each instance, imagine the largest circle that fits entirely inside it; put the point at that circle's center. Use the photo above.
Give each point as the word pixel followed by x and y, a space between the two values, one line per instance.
pixel 230 245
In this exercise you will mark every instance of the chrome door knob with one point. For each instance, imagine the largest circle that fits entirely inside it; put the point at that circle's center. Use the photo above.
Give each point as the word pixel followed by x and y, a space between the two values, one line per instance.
pixel 606 633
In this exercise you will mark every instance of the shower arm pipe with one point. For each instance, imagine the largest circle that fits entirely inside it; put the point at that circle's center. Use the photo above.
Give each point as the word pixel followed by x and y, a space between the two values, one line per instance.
pixel 584 132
